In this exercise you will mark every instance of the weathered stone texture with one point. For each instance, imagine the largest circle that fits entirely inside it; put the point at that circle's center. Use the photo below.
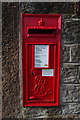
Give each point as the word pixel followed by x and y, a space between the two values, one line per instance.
pixel 42 112
pixel 75 53
pixel 70 93
pixel 71 109
pixel 79 94
pixel 70 74
pixel 47 8
pixel 0 60
pixel 65 55
pixel 71 31
pixel 10 62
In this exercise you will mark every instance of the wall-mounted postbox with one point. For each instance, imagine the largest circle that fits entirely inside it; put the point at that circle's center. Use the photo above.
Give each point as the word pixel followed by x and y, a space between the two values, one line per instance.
pixel 41 35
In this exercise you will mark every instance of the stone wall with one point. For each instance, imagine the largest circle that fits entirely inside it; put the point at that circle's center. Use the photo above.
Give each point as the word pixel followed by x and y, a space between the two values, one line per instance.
pixel 0 60
pixel 70 61
pixel 10 60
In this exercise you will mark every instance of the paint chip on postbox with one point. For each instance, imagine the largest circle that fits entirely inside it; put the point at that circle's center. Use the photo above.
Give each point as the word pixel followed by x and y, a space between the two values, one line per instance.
pixel 47 72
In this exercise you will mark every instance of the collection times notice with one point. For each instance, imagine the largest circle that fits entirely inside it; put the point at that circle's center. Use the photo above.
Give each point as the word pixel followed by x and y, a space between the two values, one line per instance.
pixel 41 56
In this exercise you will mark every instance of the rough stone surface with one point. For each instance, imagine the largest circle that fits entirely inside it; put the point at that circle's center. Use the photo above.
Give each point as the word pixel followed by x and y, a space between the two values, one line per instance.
pixel 70 74
pixel 75 51
pixel 48 7
pixel 10 62
pixel 0 60
pixel 79 94
pixel 65 55
pixel 70 93
pixel 71 30
pixel 71 109
pixel 41 112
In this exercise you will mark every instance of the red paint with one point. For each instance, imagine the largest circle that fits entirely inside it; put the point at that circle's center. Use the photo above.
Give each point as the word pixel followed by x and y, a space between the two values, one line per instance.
pixel 40 29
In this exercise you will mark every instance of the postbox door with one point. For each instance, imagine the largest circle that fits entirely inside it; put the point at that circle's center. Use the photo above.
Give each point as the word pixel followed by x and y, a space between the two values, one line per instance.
pixel 40 73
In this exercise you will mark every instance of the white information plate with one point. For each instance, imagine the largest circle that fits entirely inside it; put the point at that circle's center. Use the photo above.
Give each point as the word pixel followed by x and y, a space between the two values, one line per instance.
pixel 47 72
pixel 41 56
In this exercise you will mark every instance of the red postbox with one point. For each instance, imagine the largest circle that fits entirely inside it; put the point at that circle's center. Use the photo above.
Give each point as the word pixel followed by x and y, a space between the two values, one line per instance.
pixel 41 34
